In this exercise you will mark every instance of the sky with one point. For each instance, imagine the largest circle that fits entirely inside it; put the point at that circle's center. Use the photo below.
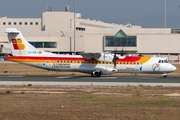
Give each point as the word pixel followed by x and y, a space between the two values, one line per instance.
pixel 147 13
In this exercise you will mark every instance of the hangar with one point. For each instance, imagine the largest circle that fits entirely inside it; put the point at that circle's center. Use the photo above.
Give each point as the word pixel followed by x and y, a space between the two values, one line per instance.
pixel 54 32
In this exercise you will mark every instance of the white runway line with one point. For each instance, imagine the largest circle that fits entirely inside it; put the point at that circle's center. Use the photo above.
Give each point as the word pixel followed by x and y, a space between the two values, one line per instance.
pixel 146 78
pixel 88 83
pixel 65 77
pixel 108 77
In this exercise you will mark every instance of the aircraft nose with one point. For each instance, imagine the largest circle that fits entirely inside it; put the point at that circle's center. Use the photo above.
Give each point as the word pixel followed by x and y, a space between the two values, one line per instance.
pixel 173 68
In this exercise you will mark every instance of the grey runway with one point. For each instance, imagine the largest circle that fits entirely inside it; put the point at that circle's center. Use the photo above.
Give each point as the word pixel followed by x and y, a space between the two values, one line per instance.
pixel 87 80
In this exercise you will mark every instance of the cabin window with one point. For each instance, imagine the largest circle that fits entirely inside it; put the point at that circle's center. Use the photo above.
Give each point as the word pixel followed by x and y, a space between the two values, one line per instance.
pixel 137 63
pixel 134 63
pixel 131 63
pixel 68 61
pixel 127 63
pixel 74 61
pixel 120 62
pixel 64 61
pixel 124 63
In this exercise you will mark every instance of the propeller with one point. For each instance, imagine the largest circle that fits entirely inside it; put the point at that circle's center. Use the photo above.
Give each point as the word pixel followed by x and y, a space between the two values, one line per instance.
pixel 122 53
pixel 115 58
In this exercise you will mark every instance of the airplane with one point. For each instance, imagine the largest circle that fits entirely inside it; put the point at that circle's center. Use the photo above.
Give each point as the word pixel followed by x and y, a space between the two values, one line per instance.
pixel 96 64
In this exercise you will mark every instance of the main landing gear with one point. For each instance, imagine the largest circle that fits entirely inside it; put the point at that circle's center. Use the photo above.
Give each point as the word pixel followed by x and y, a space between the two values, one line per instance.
pixel 96 74
pixel 164 75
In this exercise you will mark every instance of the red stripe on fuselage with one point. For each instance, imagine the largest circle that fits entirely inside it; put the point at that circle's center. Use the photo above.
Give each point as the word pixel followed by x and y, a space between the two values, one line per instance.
pixel 126 59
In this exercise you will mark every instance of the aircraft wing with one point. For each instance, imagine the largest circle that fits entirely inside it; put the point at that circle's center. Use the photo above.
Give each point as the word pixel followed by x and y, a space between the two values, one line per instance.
pixel 88 56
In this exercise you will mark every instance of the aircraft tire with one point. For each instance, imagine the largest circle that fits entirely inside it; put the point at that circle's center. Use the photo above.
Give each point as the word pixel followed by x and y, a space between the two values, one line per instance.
pixel 92 75
pixel 165 76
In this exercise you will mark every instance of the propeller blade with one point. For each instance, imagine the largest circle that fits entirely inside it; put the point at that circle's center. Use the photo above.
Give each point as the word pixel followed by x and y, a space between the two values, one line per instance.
pixel 115 58
pixel 122 52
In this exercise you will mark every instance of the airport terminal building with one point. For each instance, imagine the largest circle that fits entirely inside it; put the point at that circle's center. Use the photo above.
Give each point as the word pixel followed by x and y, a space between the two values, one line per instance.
pixel 54 32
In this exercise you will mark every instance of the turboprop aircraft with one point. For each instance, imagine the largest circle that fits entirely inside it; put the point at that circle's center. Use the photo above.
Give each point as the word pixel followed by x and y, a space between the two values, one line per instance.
pixel 96 64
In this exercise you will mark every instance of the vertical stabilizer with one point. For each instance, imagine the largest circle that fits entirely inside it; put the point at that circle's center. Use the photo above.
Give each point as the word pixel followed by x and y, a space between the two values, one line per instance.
pixel 19 46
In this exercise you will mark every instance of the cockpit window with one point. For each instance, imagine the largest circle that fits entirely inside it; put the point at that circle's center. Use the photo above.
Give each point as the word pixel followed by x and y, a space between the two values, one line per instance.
pixel 163 61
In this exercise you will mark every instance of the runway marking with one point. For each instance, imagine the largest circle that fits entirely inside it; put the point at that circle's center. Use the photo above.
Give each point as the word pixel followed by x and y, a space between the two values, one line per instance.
pixel 108 77
pixel 88 83
pixel 65 77
pixel 146 78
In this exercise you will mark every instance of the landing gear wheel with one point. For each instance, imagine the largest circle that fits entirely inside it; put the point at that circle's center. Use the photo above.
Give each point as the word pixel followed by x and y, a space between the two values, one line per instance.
pixel 164 75
pixel 98 74
pixel 92 75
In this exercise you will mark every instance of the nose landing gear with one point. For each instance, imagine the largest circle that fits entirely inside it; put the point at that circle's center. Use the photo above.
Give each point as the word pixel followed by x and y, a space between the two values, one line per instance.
pixel 164 75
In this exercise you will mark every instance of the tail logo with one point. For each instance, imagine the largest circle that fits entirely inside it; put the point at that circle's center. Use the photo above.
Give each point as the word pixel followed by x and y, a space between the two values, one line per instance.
pixel 17 44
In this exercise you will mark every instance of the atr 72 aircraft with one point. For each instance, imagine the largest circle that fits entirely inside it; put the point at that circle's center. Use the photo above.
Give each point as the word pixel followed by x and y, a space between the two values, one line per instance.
pixel 96 64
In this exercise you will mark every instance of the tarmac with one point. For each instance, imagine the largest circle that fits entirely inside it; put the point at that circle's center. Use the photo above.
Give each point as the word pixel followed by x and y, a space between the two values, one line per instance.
pixel 87 80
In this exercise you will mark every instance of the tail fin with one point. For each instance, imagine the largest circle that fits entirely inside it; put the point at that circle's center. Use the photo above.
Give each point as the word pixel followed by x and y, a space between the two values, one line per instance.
pixel 19 46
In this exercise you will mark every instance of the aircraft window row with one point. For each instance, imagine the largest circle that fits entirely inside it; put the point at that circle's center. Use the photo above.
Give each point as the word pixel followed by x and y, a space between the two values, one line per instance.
pixel 97 62
pixel 20 23
pixel 163 61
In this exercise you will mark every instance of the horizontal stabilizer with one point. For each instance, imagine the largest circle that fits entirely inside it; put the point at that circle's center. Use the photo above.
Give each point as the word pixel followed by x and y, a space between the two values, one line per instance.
pixel 12 30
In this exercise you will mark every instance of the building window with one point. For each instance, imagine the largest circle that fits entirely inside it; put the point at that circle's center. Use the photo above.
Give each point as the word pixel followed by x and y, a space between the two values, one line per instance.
pixel 120 40
pixel 14 23
pixel 4 23
pixel 20 23
pixel 25 23
pixel 31 23
pixel 36 23
pixel 44 44
pixel 9 23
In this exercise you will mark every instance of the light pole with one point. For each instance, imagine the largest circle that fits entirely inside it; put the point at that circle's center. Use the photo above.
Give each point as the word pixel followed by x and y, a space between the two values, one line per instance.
pixel 165 15
pixel 179 17
pixel 74 27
